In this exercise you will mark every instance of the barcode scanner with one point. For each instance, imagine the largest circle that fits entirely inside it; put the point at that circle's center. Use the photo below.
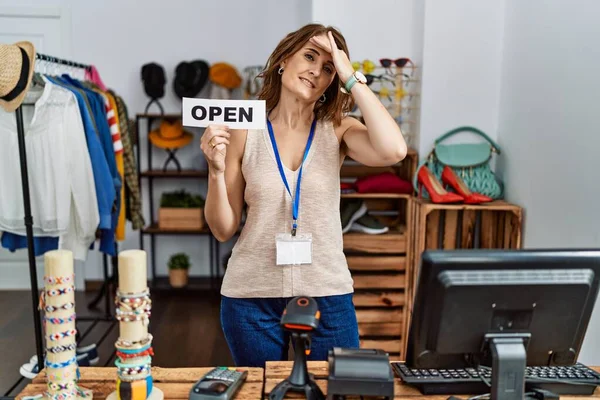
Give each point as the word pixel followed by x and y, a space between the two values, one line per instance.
pixel 301 314
pixel 300 317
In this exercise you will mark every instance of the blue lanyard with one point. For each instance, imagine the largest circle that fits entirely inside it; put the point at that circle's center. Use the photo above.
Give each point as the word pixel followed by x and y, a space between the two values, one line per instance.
pixel 295 199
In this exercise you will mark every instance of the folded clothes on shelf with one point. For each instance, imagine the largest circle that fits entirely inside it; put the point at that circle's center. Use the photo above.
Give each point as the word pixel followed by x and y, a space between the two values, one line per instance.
pixel 386 182
pixel 347 188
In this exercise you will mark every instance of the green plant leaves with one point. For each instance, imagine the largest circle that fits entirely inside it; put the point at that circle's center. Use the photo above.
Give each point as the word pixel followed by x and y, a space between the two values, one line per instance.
pixel 179 261
pixel 181 199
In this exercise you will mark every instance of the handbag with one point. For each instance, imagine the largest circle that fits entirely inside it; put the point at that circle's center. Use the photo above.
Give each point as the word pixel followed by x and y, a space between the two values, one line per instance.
pixel 470 161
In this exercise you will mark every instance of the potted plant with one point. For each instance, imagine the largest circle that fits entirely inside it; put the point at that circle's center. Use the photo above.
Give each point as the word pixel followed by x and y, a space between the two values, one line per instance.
pixel 179 265
pixel 181 210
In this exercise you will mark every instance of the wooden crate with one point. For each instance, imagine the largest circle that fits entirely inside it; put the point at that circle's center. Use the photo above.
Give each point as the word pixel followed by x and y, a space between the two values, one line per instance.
pixel 380 263
pixel 390 209
pixel 391 242
pixel 181 218
pixel 380 297
pixel 175 383
pixel 495 225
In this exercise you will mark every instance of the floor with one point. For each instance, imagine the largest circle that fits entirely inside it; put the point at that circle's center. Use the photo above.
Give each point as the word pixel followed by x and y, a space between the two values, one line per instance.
pixel 185 326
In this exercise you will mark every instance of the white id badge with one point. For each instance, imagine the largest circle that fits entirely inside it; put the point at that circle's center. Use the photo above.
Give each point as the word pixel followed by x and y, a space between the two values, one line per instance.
pixel 294 250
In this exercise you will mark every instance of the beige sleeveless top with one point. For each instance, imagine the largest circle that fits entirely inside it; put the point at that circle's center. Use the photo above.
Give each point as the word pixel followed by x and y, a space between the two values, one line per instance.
pixel 252 270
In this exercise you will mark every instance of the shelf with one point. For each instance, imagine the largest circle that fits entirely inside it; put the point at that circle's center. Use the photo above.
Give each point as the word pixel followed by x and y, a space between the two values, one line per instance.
pixel 186 173
pixel 375 196
pixel 157 115
pixel 370 263
pixel 379 281
pixel 195 283
pixel 392 242
pixel 497 205
pixel 155 230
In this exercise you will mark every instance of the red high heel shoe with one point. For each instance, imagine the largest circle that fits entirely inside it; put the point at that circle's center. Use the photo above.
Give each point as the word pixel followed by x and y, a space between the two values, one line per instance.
pixel 450 178
pixel 437 193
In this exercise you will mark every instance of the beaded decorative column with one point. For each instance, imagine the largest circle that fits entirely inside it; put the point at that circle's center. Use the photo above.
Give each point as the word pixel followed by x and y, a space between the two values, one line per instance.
pixel 58 303
pixel 134 346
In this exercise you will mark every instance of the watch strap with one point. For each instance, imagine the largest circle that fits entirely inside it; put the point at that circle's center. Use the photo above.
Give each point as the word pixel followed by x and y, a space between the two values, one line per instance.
pixel 350 83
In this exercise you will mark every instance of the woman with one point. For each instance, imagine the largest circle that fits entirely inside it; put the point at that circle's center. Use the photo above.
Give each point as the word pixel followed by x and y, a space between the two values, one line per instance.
pixel 306 121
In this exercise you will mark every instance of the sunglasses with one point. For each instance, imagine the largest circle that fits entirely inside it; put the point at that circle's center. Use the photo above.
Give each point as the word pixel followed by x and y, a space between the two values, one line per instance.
pixel 367 66
pixel 399 94
pixel 372 78
pixel 398 62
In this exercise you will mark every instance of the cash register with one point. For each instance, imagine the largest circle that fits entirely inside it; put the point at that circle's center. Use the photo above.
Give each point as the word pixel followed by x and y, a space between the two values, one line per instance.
pixel 509 323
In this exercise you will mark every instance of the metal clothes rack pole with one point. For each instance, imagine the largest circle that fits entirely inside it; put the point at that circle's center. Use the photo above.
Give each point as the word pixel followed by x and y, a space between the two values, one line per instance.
pixel 30 243
pixel 56 60
pixel 29 229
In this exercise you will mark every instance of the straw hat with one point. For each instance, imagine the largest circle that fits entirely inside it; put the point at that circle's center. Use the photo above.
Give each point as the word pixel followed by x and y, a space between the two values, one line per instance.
pixel 16 70
pixel 170 135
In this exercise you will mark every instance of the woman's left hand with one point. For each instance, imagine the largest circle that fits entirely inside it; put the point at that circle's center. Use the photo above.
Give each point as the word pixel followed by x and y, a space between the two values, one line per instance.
pixel 342 64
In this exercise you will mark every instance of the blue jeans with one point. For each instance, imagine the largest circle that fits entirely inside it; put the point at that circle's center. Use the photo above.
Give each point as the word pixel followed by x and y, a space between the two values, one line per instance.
pixel 253 334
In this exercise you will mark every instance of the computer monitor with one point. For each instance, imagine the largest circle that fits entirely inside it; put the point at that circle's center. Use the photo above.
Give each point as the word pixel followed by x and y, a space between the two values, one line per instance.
pixel 502 308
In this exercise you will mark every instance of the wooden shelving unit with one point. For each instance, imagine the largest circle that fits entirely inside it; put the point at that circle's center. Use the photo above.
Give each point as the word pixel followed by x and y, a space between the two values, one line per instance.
pixel 379 263
pixel 152 230
pixel 375 196
pixel 155 229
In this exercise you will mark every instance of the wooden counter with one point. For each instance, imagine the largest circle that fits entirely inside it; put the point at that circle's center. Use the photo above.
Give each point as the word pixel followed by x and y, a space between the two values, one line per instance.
pixel 277 371
pixel 174 382
pixel 177 382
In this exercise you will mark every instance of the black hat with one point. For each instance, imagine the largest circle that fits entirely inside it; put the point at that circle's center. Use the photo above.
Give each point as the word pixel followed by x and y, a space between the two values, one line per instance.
pixel 190 78
pixel 153 76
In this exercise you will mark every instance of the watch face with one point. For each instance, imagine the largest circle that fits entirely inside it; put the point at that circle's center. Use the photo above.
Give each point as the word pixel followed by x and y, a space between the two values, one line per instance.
pixel 360 77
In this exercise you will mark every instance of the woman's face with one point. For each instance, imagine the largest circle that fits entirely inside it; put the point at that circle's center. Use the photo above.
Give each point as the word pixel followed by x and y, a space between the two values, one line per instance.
pixel 308 73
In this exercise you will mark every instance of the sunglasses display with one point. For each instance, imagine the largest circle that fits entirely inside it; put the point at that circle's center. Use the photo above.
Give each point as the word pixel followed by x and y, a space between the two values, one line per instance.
pixel 252 81
pixel 383 78
pixel 394 87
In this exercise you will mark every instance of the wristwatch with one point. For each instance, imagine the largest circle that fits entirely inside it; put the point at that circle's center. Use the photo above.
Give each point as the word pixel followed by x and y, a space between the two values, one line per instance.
pixel 356 77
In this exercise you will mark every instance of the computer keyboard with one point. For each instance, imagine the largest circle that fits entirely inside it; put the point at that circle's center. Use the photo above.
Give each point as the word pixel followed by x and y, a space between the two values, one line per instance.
pixel 575 380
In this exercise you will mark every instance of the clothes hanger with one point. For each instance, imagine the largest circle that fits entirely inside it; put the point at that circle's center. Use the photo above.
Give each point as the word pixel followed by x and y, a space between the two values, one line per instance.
pixel 38 80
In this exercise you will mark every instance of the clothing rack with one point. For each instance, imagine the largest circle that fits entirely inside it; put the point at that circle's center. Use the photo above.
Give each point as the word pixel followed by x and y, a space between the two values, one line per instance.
pixel 104 291
pixel 60 61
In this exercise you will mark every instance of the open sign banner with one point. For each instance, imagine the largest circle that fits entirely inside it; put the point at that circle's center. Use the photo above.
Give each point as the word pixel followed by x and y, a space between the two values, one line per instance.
pixel 236 114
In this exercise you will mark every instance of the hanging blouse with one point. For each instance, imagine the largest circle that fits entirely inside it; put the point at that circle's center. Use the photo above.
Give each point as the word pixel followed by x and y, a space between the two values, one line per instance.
pixel 61 181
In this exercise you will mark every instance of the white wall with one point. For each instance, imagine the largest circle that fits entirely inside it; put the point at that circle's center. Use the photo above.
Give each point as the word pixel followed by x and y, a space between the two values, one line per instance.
pixel 548 127
pixel 374 30
pixel 462 53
